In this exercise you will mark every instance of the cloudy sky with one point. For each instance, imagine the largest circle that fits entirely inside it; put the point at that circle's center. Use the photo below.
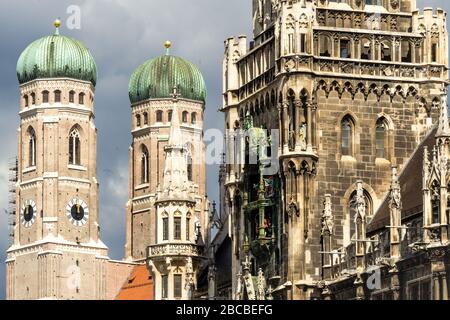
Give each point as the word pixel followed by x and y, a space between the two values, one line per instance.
pixel 121 34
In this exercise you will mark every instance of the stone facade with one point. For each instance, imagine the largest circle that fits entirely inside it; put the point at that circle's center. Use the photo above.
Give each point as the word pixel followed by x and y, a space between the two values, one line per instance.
pixel 352 89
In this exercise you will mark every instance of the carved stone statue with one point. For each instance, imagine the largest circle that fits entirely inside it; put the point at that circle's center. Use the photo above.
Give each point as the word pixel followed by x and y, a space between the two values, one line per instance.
pixel 261 282
pixel 302 136
pixel 327 217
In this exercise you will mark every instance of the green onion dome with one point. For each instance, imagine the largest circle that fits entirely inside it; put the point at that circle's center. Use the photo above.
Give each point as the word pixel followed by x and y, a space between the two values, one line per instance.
pixel 156 78
pixel 56 56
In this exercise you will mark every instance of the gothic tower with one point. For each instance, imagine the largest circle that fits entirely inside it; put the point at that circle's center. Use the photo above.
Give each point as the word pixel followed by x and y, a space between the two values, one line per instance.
pixel 167 213
pixel 57 252
pixel 352 88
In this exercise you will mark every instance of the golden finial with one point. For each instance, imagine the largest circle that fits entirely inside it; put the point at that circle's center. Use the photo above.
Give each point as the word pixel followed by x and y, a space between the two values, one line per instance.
pixel 57 23
pixel 167 45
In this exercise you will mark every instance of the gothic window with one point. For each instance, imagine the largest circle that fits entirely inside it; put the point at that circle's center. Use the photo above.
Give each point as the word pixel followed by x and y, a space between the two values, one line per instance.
pixel 33 98
pixel 145 118
pixel 81 98
pixel 347 132
pixel 406 51
pixel 325 45
pixel 45 97
pixel 366 51
pixel 25 99
pixel 188 229
pixel 381 139
pixel 177 286
pixel 185 117
pixel 72 97
pixel 177 228
pixel 345 49
pixel 193 118
pixel 302 43
pixel 290 43
pixel 165 286
pixel 57 96
pixel 31 147
pixel 165 228
pixel 434 50
pixel 74 147
pixel 159 116
pixel 145 165
pixel 189 168
pixel 138 120
pixel 386 52
pixel 169 115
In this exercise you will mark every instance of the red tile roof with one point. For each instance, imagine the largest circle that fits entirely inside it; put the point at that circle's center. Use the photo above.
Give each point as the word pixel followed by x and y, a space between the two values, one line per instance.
pixel 139 286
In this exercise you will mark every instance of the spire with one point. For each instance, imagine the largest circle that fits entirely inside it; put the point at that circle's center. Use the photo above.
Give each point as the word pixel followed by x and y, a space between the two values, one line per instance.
pixel 175 173
pixel 444 128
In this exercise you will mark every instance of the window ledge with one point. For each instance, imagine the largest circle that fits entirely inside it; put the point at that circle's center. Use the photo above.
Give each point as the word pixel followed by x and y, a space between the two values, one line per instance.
pixel 382 162
pixel 348 159
pixel 76 167
pixel 30 169
pixel 142 186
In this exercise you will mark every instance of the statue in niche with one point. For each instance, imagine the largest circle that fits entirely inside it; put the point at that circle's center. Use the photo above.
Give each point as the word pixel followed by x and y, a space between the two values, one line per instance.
pixel 302 136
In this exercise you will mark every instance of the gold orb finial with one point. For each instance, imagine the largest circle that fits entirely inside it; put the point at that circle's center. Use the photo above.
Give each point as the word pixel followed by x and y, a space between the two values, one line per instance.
pixel 57 23
pixel 167 44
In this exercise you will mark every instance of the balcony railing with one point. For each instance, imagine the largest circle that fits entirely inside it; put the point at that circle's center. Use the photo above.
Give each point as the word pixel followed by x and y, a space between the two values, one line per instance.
pixel 175 249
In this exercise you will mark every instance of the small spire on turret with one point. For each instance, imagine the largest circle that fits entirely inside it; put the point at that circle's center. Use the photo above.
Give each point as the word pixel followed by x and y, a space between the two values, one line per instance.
pixel 57 25
pixel 444 128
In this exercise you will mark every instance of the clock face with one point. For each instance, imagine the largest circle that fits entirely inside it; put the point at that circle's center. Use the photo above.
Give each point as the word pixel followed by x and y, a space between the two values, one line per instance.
pixel 77 212
pixel 28 213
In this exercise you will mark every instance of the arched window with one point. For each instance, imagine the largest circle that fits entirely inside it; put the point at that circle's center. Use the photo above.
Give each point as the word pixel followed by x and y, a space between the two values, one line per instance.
pixel 345 49
pixel 138 120
pixel 347 128
pixel 185 117
pixel 169 116
pixel 145 118
pixel 31 147
pixel 159 116
pixel 381 139
pixel 177 228
pixel 72 97
pixel 193 118
pixel 189 168
pixel 325 46
pixel 33 98
pixel 366 49
pixel 165 228
pixel 57 96
pixel 386 52
pixel 74 147
pixel 145 165
pixel 81 98
pixel 45 97
pixel 188 228
pixel 25 99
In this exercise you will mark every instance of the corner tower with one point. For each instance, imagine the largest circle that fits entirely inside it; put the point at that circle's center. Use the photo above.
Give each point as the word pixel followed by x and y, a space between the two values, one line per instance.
pixel 57 252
